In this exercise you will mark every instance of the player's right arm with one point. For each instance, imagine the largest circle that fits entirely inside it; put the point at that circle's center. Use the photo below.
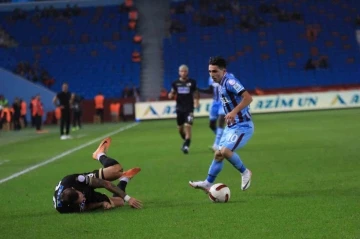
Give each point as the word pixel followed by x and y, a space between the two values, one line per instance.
pixel 96 205
pixel 55 101
pixel 99 183
pixel 172 92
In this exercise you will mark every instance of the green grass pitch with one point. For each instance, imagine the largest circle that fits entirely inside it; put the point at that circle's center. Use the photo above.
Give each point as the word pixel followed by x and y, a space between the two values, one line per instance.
pixel 306 181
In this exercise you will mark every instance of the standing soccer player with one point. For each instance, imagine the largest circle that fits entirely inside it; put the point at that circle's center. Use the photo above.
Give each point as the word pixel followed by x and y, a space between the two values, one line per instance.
pixel 65 99
pixel 239 129
pixel 187 98
pixel 216 114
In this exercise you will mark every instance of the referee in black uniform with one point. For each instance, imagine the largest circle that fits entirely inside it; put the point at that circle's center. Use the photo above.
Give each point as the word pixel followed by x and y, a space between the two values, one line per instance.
pixel 64 100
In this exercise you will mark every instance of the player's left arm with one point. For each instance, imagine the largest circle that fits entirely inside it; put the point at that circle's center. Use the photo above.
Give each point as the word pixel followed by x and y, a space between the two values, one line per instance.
pixel 172 92
pixel 100 183
pixel 235 87
pixel 246 100
pixel 93 206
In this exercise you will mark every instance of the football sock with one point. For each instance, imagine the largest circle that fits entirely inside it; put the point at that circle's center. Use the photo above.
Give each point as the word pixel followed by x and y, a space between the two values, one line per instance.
pixel 219 132
pixel 122 185
pixel 212 125
pixel 106 161
pixel 214 170
pixel 237 163
pixel 187 142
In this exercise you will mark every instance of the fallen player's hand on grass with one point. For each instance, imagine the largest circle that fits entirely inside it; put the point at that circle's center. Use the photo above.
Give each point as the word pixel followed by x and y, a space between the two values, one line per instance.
pixel 106 205
pixel 133 202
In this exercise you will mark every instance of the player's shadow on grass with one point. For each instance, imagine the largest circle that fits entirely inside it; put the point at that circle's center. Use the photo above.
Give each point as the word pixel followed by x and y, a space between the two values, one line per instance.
pixel 315 193
pixel 32 215
pixel 199 203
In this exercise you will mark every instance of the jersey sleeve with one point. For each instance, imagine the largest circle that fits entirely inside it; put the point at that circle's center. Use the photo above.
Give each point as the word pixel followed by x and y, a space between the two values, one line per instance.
pixel 234 86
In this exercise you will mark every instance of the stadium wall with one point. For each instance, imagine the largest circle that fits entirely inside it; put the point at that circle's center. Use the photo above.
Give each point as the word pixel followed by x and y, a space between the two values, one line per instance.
pixel 12 86
pixel 59 4
pixel 260 104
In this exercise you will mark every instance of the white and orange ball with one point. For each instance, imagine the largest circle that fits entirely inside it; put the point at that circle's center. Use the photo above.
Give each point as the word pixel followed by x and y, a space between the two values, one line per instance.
pixel 219 193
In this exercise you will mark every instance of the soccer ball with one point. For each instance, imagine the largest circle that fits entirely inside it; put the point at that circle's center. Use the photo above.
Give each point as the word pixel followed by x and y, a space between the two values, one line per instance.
pixel 219 193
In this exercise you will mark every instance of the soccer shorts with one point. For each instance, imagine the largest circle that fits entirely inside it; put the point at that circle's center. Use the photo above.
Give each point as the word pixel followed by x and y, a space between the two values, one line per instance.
pixel 184 118
pixel 216 109
pixel 237 136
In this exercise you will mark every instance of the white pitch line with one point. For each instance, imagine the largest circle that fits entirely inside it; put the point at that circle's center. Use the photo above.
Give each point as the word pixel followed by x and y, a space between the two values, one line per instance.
pixel 3 161
pixel 50 160
pixel 80 136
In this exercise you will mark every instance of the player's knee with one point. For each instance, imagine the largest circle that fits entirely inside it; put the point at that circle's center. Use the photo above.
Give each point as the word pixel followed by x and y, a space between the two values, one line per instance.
pixel 118 169
pixel 226 152
pixel 218 155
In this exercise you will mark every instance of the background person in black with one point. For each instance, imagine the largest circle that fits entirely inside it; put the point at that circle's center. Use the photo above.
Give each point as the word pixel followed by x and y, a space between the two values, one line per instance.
pixel 64 100
pixel 17 113
pixel 75 192
pixel 187 98
pixel 77 112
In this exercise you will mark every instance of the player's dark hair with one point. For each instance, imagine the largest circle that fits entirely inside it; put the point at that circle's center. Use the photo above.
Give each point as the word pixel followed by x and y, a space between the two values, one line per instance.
pixel 217 61
pixel 69 196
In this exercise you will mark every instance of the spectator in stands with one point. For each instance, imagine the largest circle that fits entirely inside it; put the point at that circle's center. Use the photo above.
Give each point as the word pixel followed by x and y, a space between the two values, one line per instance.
pixel 272 9
pixel 223 6
pixel 311 33
pixel 296 16
pixel 235 7
pixel 132 25
pixel 189 8
pixel 127 93
pixel 310 64
pixel 136 57
pixel 177 27
pixel 127 6
pixel 357 20
pixel 18 14
pixel 244 24
pixel 137 39
pixel 283 17
pixel 323 62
